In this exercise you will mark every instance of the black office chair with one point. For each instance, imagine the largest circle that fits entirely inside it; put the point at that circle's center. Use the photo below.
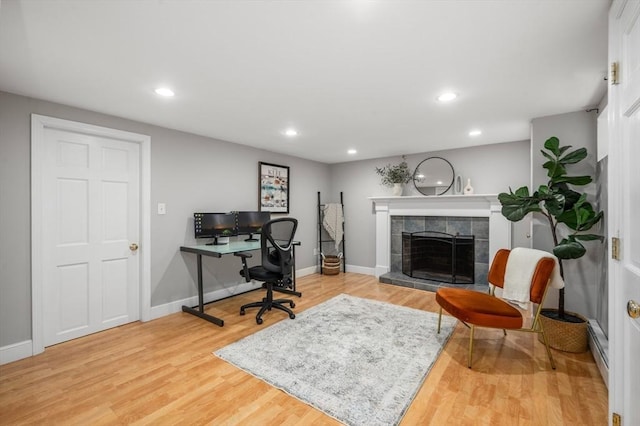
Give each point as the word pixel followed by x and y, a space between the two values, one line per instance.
pixel 276 243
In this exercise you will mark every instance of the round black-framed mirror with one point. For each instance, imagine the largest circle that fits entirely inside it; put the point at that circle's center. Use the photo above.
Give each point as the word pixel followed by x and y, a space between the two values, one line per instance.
pixel 433 176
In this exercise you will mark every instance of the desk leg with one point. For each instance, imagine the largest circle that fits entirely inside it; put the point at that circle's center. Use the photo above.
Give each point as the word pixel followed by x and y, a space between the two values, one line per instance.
pixel 200 311
pixel 294 268
pixel 200 286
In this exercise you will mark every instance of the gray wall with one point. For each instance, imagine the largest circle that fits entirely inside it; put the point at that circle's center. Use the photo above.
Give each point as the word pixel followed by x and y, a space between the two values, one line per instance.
pixel 191 173
pixel 188 173
pixel 577 129
pixel 492 169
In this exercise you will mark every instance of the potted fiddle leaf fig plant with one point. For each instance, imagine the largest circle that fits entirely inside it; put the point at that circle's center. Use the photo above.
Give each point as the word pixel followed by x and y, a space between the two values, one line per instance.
pixel 570 216
pixel 395 176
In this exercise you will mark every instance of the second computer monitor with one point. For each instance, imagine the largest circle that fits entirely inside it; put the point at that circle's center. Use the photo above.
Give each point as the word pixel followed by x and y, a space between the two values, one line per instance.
pixel 249 223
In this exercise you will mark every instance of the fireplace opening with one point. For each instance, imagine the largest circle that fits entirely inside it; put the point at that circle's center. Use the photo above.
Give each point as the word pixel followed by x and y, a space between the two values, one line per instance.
pixel 438 256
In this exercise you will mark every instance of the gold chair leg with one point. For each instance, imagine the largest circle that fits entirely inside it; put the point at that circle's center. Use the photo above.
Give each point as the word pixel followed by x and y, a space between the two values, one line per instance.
pixel 471 345
pixel 546 345
pixel 439 319
pixel 504 331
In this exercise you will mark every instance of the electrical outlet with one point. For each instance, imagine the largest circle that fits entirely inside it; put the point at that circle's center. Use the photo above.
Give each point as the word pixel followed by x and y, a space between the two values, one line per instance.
pixel 162 208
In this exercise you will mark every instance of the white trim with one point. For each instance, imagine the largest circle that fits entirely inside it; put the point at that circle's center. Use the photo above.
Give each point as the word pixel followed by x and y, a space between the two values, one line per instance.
pixel 145 228
pixel 306 271
pixel 599 345
pixel 361 270
pixel 16 352
pixel 38 124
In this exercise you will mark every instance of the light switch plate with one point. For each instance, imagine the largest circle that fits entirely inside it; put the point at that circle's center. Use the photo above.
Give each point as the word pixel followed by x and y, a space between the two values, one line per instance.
pixel 162 208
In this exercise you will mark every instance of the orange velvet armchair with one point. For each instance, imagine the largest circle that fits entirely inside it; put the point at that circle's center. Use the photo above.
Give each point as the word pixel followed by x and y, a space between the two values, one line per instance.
pixel 477 309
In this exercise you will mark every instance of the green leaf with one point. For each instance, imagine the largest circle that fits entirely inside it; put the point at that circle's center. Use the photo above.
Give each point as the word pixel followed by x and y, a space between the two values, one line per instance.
pixel 506 198
pixel 552 145
pixel 583 215
pixel 549 156
pixel 569 218
pixel 555 169
pixel 591 221
pixel 569 250
pixel 574 156
pixel 571 197
pixel 574 180
pixel 563 149
pixel 588 237
pixel 523 191
pixel 516 213
pixel 555 204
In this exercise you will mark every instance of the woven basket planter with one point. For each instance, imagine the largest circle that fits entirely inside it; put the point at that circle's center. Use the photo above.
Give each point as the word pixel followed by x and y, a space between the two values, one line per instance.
pixel 331 265
pixel 565 336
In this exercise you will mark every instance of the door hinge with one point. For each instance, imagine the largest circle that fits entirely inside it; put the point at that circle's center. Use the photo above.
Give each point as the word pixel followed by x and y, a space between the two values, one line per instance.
pixel 616 419
pixel 615 248
pixel 615 74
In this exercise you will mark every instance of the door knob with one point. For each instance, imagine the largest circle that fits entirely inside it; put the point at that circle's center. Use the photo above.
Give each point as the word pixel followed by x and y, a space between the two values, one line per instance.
pixel 133 247
pixel 633 309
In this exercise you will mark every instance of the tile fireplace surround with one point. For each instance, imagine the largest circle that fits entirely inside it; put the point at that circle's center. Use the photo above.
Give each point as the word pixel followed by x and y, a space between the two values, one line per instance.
pixel 441 206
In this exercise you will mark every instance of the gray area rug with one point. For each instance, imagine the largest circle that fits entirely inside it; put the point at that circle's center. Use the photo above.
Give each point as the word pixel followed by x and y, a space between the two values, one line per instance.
pixel 358 360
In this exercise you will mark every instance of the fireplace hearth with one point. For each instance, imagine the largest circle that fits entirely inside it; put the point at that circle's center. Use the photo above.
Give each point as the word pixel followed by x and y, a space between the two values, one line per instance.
pixel 439 256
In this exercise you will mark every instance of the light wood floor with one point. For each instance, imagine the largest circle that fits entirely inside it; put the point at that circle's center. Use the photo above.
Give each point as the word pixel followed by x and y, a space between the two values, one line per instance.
pixel 163 372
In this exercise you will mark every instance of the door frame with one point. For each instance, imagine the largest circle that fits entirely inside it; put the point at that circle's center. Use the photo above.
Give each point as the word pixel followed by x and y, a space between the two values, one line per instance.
pixel 39 123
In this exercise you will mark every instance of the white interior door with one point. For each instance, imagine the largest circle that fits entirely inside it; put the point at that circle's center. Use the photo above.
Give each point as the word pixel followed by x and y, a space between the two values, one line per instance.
pixel 624 205
pixel 91 192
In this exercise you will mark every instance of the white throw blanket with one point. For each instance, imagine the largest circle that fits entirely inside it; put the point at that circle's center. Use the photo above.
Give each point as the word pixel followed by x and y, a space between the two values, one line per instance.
pixel 332 221
pixel 521 265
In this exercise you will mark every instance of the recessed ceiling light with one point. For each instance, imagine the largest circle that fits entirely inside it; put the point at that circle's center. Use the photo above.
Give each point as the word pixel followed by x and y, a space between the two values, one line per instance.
pixel 446 97
pixel 164 91
pixel 352 151
pixel 291 132
pixel 475 133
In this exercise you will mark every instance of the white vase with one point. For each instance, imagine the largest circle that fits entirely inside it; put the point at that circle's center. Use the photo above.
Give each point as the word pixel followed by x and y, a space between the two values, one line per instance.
pixel 468 190
pixel 397 189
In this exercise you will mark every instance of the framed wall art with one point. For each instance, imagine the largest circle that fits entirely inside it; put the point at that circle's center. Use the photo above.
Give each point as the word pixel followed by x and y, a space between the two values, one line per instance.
pixel 273 188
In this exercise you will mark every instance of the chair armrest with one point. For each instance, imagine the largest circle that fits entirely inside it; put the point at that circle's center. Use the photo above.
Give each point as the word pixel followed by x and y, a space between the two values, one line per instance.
pixel 244 255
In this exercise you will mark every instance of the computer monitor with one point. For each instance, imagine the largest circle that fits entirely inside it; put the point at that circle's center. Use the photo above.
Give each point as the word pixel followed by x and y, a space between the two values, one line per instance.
pixel 218 226
pixel 249 223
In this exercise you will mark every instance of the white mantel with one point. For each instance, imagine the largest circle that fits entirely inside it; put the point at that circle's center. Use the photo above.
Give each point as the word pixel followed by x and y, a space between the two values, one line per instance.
pixel 481 205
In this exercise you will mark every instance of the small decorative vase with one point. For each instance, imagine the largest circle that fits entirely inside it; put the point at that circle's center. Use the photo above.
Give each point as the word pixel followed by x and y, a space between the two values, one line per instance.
pixel 457 185
pixel 468 190
pixel 397 189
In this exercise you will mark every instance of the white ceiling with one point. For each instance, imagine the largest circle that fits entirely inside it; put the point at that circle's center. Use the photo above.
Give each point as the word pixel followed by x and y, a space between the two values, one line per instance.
pixel 356 74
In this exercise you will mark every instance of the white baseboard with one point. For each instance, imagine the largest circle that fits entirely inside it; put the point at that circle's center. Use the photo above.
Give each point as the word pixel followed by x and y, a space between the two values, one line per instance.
pixel 361 270
pixel 350 268
pixel 16 352
pixel 176 306
pixel 599 345
pixel 306 271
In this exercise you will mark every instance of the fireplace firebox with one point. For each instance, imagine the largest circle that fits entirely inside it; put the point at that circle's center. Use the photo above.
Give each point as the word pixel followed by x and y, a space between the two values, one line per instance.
pixel 438 256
